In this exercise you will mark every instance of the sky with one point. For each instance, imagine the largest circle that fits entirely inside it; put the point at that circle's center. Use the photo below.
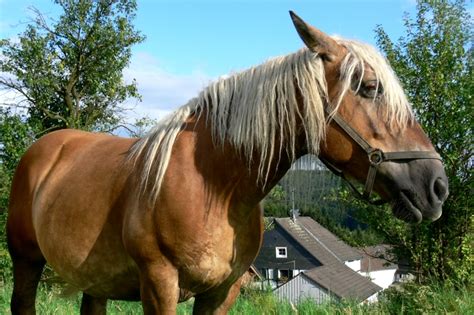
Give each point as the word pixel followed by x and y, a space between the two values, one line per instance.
pixel 191 43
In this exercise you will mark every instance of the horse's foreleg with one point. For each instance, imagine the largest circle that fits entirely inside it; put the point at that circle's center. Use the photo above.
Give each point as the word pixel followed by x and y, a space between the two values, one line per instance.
pixel 159 288
pixel 218 301
pixel 92 305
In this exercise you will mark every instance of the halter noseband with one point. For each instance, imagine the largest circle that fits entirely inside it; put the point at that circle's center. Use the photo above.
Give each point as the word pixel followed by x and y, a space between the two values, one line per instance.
pixel 375 158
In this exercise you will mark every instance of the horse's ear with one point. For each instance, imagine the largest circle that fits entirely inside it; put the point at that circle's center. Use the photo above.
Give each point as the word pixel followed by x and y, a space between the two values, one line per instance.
pixel 316 40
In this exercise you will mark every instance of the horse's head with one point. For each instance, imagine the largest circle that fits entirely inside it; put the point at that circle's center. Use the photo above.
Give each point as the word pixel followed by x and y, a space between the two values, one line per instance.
pixel 373 136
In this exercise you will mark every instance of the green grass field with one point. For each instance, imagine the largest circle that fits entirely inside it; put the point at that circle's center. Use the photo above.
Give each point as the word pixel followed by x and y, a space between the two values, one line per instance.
pixel 414 299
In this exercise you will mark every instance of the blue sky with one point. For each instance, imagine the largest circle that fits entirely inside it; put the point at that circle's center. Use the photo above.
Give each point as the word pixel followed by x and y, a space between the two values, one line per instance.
pixel 189 43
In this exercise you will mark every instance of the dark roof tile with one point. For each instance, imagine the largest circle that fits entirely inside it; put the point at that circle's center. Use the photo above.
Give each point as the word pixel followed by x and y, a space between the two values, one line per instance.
pixel 343 282
pixel 314 237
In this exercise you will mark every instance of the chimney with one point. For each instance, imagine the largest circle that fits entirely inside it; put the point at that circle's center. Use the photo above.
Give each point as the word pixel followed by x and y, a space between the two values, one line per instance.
pixel 294 212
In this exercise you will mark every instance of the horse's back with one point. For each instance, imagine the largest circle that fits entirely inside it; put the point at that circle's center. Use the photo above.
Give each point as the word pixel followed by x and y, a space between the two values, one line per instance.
pixel 67 201
pixel 53 153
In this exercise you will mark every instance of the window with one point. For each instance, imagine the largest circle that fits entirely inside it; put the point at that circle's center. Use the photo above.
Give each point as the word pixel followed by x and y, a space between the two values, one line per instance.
pixel 284 275
pixel 280 252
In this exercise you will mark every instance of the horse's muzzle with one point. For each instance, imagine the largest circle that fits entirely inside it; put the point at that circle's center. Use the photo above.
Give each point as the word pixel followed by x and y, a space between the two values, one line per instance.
pixel 421 192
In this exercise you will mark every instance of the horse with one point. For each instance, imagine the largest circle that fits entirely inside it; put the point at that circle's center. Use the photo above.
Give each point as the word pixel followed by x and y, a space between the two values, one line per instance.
pixel 176 214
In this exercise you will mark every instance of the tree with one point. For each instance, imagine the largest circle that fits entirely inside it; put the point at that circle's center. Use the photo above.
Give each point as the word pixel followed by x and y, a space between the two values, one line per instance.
pixel 275 204
pixel 15 138
pixel 69 73
pixel 434 62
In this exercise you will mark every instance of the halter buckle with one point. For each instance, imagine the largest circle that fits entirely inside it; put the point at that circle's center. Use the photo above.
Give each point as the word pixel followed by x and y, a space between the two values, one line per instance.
pixel 375 157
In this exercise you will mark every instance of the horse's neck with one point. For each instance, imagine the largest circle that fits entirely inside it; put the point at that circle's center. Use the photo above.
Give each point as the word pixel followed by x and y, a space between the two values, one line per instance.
pixel 228 171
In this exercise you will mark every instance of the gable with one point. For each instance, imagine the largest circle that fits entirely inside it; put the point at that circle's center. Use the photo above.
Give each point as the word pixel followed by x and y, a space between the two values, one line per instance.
pixel 297 257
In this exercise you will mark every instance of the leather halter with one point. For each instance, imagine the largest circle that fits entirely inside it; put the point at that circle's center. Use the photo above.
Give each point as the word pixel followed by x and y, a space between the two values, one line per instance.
pixel 375 158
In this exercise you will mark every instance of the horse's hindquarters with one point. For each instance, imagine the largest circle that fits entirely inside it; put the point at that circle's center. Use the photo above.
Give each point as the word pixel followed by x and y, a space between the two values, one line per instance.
pixel 69 187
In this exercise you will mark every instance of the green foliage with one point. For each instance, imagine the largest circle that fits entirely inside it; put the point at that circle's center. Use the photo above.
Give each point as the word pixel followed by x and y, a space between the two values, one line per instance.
pixel 15 137
pixel 430 298
pixel 434 62
pixel 70 73
pixel 141 126
pixel 306 190
pixel 275 203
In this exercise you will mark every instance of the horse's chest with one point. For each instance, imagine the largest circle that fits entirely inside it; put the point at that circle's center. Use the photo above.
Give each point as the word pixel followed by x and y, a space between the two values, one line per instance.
pixel 207 270
pixel 216 262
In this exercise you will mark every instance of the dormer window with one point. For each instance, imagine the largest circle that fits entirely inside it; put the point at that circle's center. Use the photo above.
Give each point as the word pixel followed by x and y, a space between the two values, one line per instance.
pixel 280 252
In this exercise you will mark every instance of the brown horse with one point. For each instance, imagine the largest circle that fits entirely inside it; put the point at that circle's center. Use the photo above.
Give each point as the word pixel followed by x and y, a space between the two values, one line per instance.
pixel 176 214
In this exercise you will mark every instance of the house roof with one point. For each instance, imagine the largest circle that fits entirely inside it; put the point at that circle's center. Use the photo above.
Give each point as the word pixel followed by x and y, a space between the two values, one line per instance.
pixel 377 258
pixel 343 282
pixel 318 241
pixel 333 275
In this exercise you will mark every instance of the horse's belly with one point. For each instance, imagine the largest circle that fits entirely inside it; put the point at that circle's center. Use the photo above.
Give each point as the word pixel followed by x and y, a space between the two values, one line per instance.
pixel 125 286
pixel 98 276
pixel 99 273
pixel 88 256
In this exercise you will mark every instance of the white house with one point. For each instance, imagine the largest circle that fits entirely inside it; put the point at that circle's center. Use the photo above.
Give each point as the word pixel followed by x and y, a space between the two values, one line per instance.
pixel 378 265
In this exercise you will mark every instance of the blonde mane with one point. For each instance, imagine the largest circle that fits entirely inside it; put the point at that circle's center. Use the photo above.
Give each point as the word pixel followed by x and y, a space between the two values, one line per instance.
pixel 254 109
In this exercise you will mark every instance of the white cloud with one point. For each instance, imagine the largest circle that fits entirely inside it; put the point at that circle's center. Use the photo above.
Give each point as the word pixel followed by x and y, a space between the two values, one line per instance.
pixel 161 91
pixel 10 98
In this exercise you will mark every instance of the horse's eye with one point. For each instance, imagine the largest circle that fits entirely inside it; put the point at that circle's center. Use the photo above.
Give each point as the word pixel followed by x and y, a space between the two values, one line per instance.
pixel 370 89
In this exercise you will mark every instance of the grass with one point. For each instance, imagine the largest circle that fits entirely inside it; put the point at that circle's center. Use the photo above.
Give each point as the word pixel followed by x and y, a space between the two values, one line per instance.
pixel 410 299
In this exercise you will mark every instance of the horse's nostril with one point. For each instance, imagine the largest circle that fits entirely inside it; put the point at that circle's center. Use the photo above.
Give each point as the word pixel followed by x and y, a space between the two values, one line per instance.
pixel 440 189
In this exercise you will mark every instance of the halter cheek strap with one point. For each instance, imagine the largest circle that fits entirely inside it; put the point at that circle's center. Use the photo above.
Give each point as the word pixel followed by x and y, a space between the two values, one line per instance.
pixel 375 158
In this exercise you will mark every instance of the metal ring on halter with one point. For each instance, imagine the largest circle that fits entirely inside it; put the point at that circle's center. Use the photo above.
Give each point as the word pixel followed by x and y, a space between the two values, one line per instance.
pixel 376 157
